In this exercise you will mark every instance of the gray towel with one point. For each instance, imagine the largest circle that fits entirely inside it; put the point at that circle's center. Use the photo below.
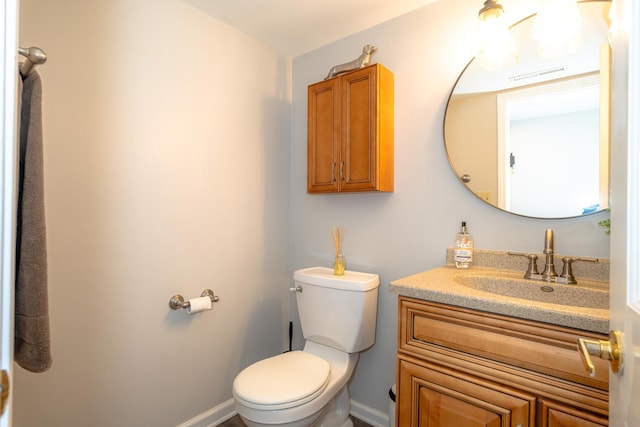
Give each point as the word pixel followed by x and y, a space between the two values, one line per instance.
pixel 32 346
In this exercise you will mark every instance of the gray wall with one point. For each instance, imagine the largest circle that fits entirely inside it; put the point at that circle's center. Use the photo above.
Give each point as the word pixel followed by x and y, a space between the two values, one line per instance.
pixel 174 162
pixel 408 231
pixel 166 161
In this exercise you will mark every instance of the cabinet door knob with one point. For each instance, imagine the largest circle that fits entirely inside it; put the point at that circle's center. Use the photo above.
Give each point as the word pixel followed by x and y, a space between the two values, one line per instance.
pixel 610 350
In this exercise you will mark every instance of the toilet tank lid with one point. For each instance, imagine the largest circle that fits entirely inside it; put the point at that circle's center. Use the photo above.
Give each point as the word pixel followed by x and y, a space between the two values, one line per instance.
pixel 350 281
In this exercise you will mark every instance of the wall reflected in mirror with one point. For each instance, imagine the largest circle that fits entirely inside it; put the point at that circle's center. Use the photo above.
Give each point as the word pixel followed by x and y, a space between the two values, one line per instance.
pixel 533 139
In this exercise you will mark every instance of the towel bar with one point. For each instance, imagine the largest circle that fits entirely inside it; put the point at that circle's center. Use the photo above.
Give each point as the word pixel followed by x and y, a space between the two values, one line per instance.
pixel 177 301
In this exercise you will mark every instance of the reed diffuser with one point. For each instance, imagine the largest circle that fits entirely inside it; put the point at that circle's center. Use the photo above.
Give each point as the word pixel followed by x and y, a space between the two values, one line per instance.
pixel 339 264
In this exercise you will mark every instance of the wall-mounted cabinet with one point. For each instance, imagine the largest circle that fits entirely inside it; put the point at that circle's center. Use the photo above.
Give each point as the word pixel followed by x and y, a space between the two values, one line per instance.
pixel 462 367
pixel 350 132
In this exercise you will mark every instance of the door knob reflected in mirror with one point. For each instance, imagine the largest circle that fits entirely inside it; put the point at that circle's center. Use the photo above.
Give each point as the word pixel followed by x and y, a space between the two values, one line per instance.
pixel 609 350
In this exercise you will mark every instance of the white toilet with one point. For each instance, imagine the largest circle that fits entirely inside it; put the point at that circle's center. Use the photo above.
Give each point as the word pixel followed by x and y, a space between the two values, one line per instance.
pixel 309 387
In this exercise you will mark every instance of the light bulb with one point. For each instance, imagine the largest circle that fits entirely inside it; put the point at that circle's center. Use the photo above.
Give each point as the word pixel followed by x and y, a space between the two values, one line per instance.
pixel 557 28
pixel 495 48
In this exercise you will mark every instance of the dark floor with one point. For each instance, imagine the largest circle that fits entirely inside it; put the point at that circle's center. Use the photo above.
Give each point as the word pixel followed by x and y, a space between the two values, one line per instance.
pixel 237 422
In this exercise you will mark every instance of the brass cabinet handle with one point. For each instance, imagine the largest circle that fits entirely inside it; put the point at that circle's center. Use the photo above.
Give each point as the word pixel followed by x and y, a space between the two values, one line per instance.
pixel 610 350
pixel 4 391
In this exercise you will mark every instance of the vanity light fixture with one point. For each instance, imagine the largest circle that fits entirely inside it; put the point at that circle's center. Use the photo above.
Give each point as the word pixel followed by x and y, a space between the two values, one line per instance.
pixel 557 28
pixel 494 47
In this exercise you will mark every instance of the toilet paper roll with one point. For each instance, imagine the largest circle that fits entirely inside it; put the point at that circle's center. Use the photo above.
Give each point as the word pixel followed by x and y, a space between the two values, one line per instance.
pixel 196 305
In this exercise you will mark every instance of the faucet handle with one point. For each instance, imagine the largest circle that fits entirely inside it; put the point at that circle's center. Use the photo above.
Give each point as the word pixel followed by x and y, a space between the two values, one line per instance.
pixel 566 277
pixel 532 269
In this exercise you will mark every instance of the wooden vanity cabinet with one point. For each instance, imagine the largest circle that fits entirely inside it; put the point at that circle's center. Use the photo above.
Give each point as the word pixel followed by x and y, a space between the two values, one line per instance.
pixel 459 367
pixel 350 132
pixel 434 395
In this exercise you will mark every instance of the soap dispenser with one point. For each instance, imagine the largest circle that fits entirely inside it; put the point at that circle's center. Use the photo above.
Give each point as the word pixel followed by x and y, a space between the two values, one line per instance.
pixel 463 252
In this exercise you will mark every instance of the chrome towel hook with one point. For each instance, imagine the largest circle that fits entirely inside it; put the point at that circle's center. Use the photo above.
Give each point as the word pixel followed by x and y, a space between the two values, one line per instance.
pixel 177 301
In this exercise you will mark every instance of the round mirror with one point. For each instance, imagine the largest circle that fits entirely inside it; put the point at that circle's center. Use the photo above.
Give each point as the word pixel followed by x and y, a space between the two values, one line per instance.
pixel 533 139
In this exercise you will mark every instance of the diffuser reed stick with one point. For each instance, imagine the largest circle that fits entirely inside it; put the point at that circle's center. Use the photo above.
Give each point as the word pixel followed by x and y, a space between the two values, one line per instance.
pixel 337 239
pixel 339 263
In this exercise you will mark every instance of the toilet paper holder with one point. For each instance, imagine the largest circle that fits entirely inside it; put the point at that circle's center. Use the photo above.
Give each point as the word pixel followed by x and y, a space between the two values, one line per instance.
pixel 177 301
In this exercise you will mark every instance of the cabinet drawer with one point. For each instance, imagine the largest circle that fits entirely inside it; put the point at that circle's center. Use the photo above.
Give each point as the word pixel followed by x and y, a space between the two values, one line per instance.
pixel 427 327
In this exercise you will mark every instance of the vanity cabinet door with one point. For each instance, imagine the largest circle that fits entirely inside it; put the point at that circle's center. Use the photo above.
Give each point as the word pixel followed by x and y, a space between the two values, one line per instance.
pixel 436 396
pixel 350 132
pixel 555 414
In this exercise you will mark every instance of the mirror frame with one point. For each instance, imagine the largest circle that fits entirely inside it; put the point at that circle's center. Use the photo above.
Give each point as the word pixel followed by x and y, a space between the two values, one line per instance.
pixel 462 180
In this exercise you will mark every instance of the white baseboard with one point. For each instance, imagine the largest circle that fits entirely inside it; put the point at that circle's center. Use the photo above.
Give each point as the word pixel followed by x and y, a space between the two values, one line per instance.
pixel 221 413
pixel 213 417
pixel 369 415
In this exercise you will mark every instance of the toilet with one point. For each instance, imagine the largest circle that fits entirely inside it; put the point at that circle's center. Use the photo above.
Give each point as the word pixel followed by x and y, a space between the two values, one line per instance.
pixel 309 387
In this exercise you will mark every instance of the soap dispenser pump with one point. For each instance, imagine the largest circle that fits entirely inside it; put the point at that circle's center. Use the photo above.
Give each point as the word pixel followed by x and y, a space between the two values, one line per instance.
pixel 463 252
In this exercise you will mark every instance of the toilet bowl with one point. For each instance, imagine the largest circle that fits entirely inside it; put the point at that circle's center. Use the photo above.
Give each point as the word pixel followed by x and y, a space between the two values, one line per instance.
pixel 295 388
pixel 309 387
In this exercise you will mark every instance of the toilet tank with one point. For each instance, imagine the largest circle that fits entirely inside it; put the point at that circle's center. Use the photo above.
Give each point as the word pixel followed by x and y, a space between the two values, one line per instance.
pixel 338 311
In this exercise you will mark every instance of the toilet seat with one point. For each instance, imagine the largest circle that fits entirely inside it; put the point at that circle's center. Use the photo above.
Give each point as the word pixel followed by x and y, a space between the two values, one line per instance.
pixel 282 381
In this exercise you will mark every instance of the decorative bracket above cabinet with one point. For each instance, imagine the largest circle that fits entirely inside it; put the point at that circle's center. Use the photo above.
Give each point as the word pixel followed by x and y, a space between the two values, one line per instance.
pixel 350 132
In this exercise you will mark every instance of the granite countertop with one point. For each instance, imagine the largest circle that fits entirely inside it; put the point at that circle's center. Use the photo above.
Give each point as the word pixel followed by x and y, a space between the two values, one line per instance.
pixel 445 285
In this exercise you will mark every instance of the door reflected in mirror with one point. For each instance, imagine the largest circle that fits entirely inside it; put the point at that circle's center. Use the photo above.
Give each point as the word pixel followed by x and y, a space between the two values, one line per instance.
pixel 533 139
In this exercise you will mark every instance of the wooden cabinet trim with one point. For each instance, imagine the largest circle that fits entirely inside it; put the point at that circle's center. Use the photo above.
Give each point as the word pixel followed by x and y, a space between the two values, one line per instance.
pixel 359 130
pixel 556 414
pixel 509 405
pixel 523 343
pixel 464 344
pixel 323 136
pixel 362 137
pixel 571 393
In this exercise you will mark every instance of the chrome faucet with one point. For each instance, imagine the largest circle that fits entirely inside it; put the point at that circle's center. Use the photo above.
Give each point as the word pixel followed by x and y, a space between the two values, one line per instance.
pixel 549 273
